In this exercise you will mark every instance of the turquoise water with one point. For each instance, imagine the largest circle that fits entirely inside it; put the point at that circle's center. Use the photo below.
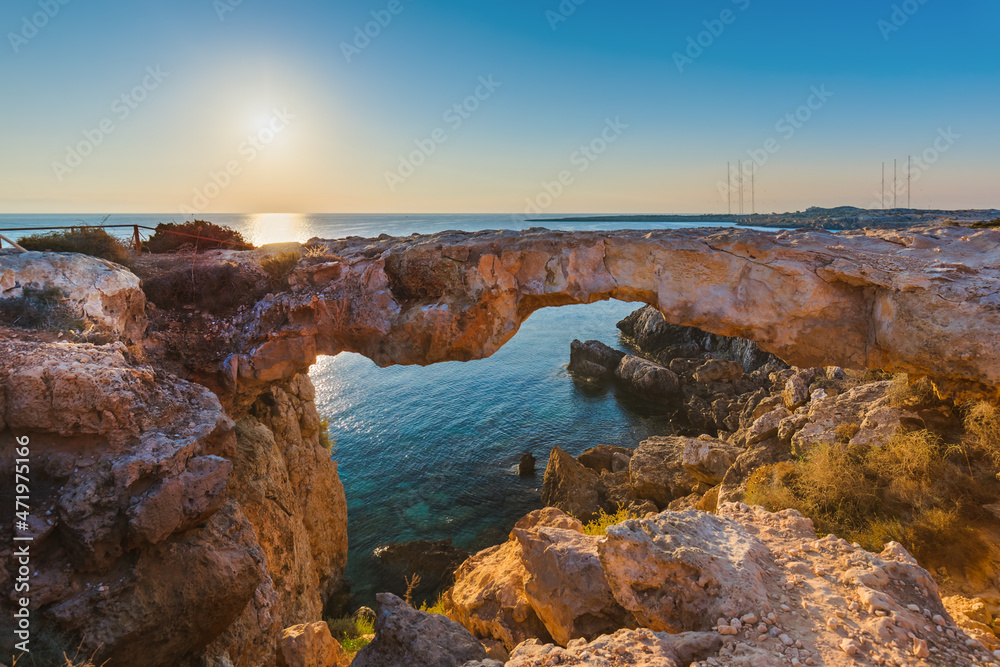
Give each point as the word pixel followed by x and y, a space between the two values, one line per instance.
pixel 430 453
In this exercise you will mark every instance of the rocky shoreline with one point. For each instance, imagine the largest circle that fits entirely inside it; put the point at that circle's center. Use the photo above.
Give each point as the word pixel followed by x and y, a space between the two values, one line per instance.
pixel 186 512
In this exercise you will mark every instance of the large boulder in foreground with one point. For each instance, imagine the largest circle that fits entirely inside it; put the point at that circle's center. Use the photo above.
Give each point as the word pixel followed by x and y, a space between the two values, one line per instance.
pixel 489 595
pixel 97 291
pixel 566 585
pixel 682 570
pixel 405 637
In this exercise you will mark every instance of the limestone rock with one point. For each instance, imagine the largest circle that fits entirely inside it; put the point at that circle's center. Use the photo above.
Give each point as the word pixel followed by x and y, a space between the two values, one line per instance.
pixel 435 562
pixel 570 486
pixel 767 426
pixel 636 648
pixel 566 585
pixel 718 370
pixel 681 571
pixel 755 457
pixel 489 598
pixel 310 645
pixel 857 299
pixel 101 292
pixel 594 359
pixel 708 459
pixel 648 379
pixel 656 470
pixel 601 457
pixel 405 637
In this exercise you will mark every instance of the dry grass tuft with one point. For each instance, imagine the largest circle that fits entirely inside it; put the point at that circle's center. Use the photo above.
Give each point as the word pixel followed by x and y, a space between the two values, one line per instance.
pixel 912 489
pixel 600 524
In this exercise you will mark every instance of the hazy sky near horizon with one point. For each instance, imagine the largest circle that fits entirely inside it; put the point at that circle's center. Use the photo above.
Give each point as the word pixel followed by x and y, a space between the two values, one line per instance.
pixel 304 106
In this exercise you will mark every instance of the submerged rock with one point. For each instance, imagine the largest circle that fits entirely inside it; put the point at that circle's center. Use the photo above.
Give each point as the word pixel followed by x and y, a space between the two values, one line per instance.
pixel 405 637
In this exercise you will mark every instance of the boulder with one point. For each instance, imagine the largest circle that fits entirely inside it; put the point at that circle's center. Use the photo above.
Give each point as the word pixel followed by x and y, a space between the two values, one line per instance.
pixel 766 426
pixel 405 637
pixel 635 648
pixel 601 457
pixel 718 370
pixel 680 571
pixel 708 459
pixel 796 392
pixel 571 486
pixel 593 359
pixel 489 598
pixel 434 562
pixel 526 467
pixel 310 645
pixel 647 379
pixel 566 586
pixel 757 456
pixel 656 470
pixel 100 292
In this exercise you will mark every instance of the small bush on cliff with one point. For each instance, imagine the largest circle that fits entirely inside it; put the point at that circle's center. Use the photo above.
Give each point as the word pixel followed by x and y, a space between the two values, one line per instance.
pixel 214 288
pixel 353 632
pixel 982 423
pixel 198 235
pixel 601 523
pixel 279 267
pixel 912 489
pixel 91 241
pixel 40 309
pixel 325 440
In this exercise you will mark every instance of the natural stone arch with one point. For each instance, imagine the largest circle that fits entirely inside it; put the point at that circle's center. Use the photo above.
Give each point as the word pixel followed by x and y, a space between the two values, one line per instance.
pixel 923 301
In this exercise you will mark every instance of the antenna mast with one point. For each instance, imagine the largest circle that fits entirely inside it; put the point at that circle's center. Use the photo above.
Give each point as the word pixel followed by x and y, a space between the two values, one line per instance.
pixel 729 187
pixel 753 192
pixel 739 164
pixel 895 185
pixel 883 186
pixel 909 160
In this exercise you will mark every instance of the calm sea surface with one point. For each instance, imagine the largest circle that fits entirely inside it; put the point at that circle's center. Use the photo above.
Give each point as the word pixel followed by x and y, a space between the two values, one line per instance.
pixel 431 453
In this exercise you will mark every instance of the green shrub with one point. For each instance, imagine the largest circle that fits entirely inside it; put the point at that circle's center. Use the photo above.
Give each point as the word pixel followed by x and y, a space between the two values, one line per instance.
pixel 38 308
pixel 351 631
pixel 218 288
pixel 171 237
pixel 603 520
pixel 325 440
pixel 436 608
pixel 86 241
pixel 279 267
pixel 987 225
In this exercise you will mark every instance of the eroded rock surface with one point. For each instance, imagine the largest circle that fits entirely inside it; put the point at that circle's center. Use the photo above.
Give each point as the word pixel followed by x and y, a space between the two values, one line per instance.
pixel 863 299
pixel 96 290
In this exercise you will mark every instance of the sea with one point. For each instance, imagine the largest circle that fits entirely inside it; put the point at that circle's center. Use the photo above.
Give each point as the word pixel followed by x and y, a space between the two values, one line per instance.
pixel 431 453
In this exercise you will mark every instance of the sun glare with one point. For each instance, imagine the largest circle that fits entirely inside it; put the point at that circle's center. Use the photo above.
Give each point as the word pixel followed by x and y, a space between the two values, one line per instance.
pixel 278 228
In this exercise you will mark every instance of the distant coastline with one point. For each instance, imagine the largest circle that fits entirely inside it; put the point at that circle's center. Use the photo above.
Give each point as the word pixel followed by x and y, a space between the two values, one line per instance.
pixel 842 217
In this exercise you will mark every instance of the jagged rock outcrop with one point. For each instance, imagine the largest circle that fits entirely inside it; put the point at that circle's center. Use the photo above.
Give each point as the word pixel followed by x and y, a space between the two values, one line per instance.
pixel 656 470
pixel 405 637
pixel 593 359
pixel 868 299
pixel 754 589
pixel 95 290
pixel 148 545
pixel 489 595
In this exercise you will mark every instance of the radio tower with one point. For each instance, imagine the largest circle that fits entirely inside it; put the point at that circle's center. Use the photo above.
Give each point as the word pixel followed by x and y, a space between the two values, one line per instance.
pixel 883 186
pixel 909 160
pixel 729 188
pixel 753 192
pixel 740 167
pixel 895 186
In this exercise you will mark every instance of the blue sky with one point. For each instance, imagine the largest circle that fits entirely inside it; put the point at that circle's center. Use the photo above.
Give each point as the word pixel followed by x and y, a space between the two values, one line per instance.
pixel 256 108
